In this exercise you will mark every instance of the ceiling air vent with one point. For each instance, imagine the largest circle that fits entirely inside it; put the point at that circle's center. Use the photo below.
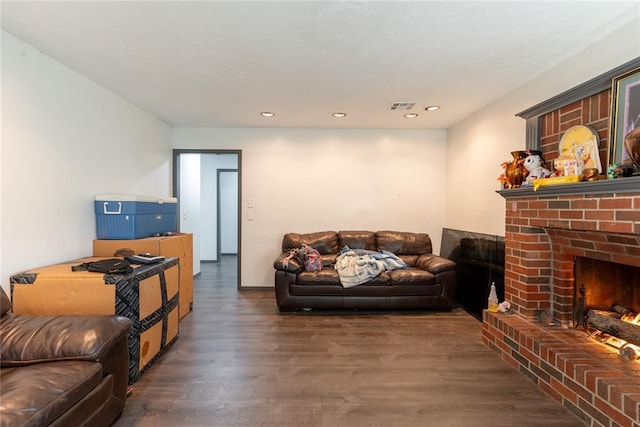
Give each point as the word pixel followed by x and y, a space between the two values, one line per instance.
pixel 402 106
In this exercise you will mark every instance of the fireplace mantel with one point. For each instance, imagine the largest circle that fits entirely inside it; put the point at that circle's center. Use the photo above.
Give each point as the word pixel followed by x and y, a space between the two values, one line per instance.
pixel 603 186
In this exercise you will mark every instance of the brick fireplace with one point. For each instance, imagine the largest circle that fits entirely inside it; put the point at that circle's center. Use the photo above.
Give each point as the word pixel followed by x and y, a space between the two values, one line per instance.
pixel 545 231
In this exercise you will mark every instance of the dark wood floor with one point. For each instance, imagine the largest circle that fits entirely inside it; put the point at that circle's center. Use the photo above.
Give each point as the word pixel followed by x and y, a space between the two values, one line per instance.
pixel 240 363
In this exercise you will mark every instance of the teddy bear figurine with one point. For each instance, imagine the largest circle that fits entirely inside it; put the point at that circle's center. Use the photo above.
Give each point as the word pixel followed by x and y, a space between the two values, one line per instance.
pixel 533 163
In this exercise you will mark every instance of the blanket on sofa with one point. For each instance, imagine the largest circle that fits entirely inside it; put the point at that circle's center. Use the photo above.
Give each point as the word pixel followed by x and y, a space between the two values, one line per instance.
pixel 358 266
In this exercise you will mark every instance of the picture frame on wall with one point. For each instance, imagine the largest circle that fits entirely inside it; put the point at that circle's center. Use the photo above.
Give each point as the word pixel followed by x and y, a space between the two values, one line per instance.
pixel 625 113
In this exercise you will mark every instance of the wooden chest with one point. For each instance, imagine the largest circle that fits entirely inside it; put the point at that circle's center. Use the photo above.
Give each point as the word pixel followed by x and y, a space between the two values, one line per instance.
pixel 179 246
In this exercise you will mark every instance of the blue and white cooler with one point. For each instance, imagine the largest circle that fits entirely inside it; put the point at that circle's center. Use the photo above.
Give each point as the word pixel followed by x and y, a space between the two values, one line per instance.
pixel 134 217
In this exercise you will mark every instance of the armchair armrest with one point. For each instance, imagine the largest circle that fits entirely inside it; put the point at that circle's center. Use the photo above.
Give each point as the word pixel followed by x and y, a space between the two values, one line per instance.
pixel 27 339
pixel 435 264
pixel 292 266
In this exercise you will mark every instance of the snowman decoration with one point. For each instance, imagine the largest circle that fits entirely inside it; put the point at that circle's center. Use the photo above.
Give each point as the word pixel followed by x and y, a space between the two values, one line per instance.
pixel 533 163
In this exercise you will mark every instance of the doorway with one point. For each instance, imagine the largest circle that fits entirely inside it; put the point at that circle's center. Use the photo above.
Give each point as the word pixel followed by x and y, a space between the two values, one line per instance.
pixel 207 184
pixel 227 203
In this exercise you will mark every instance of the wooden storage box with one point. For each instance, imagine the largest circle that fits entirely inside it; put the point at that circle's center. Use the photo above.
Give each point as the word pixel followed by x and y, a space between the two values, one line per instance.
pixel 148 296
pixel 180 246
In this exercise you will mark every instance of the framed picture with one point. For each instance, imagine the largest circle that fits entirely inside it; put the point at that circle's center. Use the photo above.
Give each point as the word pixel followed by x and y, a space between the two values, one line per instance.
pixel 625 112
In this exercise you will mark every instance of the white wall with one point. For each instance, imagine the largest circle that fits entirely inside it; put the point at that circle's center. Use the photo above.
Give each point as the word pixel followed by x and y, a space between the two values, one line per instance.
pixel 190 202
pixel 64 140
pixel 479 144
pixel 305 180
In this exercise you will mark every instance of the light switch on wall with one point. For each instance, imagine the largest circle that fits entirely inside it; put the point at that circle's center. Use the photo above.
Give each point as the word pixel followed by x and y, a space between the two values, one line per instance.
pixel 250 214
pixel 250 203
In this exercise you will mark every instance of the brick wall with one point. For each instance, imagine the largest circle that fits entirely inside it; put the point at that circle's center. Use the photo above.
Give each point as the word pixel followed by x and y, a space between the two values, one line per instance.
pixel 586 377
pixel 592 111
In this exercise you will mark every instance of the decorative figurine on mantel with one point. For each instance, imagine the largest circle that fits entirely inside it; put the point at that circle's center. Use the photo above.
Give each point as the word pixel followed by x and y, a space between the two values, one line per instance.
pixel 623 170
pixel 535 165
pixel 514 170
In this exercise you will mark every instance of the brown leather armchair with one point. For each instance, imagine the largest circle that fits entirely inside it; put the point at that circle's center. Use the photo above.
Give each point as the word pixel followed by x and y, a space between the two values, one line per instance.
pixel 429 282
pixel 69 370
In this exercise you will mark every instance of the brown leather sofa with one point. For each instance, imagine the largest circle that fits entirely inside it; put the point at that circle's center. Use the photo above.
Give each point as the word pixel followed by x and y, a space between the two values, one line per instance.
pixel 62 370
pixel 428 284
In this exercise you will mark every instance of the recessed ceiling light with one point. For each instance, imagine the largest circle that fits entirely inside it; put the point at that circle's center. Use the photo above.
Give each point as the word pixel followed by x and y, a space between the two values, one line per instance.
pixel 267 114
pixel 432 108
pixel 339 115
pixel 411 115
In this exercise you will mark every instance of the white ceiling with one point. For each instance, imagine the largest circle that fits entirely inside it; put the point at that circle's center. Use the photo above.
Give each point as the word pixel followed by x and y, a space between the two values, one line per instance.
pixel 220 63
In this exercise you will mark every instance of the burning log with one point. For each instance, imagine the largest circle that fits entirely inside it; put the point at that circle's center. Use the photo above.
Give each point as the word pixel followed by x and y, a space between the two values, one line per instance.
pixel 610 323
pixel 622 310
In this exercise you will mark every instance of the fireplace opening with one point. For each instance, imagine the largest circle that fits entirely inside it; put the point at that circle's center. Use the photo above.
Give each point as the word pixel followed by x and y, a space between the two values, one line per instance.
pixel 607 303
pixel 607 284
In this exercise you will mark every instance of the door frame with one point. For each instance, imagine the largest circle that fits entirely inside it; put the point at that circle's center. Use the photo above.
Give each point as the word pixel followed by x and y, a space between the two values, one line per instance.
pixel 176 193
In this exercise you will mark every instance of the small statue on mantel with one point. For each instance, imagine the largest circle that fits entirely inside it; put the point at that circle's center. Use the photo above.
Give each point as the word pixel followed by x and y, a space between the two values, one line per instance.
pixel 534 165
pixel 623 170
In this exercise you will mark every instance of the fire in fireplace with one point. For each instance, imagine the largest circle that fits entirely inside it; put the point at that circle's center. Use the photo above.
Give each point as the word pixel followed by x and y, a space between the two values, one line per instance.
pixel 621 331
pixel 607 302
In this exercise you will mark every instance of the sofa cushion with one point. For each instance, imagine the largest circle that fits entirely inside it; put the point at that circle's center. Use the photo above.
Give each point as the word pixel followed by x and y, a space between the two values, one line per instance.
pixel 40 393
pixel 33 339
pixel 325 242
pixel 411 277
pixel 403 243
pixel 326 276
pixel 358 240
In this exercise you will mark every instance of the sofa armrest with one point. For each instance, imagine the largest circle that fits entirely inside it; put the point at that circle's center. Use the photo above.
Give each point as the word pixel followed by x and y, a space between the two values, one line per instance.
pixel 27 339
pixel 292 266
pixel 435 264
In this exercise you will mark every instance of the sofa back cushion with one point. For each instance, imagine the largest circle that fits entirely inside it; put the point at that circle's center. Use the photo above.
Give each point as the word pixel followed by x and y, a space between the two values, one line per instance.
pixel 403 243
pixel 357 240
pixel 325 242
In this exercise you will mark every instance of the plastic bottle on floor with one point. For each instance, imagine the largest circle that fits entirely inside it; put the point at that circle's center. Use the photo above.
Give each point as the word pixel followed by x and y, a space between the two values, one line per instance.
pixel 493 299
